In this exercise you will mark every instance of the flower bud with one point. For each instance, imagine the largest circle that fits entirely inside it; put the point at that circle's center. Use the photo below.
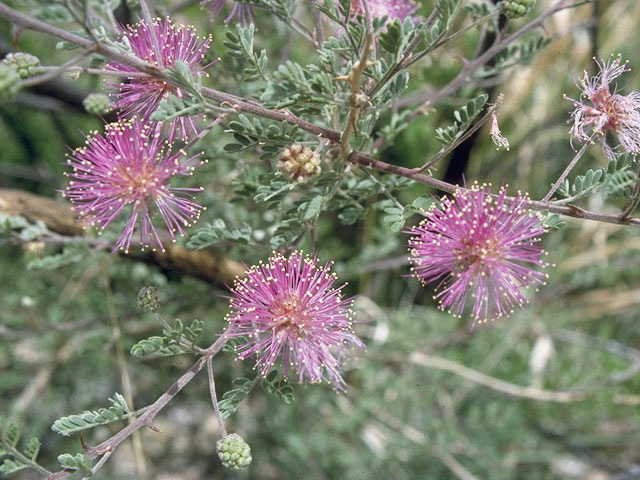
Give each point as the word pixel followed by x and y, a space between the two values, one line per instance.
pixel 9 82
pixel 97 104
pixel 234 452
pixel 517 8
pixel 148 299
pixel 25 64
pixel 299 163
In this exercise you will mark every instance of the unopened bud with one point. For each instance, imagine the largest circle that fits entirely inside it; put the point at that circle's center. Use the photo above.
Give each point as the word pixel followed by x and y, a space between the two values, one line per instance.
pixel 9 82
pixel 97 104
pixel 299 163
pixel 25 64
pixel 517 8
pixel 148 299
pixel 234 452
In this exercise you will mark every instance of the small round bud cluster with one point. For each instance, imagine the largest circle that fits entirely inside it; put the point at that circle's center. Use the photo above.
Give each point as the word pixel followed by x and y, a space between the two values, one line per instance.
pixel 9 82
pixel 148 299
pixel 25 64
pixel 97 104
pixel 234 452
pixel 517 8
pixel 299 163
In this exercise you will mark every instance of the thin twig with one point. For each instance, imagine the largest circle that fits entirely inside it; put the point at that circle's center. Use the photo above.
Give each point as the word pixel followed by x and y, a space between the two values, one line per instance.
pixel 146 419
pixel 458 141
pixel 532 393
pixel 357 103
pixel 470 67
pixel 317 22
pixel 369 24
pixel 57 71
pixel 252 107
pixel 125 378
pixel 567 170
pixel 146 14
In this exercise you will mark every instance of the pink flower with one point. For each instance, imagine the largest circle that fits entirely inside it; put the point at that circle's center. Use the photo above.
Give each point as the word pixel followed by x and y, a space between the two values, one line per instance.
pixel 240 10
pixel 162 45
pixel 598 110
pixel 289 309
pixel 392 9
pixel 130 165
pixel 481 250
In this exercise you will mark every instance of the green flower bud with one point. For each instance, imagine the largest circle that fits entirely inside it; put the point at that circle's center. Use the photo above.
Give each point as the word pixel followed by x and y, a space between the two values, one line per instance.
pixel 25 64
pixel 133 4
pixel 148 299
pixel 234 452
pixel 299 163
pixel 517 8
pixel 97 104
pixel 9 82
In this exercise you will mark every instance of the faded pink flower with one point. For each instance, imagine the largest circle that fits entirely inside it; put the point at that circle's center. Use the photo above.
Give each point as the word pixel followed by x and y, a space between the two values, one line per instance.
pixel 130 166
pixel 289 310
pixel 140 95
pixel 599 111
pixel 392 9
pixel 496 135
pixel 240 10
pixel 482 251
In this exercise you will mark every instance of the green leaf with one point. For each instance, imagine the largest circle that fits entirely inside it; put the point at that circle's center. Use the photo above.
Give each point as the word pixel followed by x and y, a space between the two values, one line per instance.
pixel 88 419
pixel 78 461
pixel 312 208
pixel 32 448
pixel 231 399
pixel 11 435
pixel 9 466
pixel 464 116
pixel 71 253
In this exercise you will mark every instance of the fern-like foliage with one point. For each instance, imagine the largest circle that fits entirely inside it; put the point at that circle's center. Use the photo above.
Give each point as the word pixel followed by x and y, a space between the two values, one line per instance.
pixel 464 116
pixel 177 339
pixel 218 231
pixel 515 55
pixel 77 462
pixel 240 45
pixel 582 185
pixel 15 459
pixel 88 419
pixel 621 177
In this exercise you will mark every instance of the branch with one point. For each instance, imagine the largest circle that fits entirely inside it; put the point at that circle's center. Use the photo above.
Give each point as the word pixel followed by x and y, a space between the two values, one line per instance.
pixel 252 107
pixel 470 67
pixel 567 210
pixel 59 218
pixel 418 358
pixel 146 419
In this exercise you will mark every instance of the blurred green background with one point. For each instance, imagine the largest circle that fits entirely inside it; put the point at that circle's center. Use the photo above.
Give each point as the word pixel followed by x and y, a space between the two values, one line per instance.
pixel 429 399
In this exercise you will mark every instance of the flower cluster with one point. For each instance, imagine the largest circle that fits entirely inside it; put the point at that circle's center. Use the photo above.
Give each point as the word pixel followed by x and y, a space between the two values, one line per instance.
pixel 288 308
pixel 299 162
pixel 131 165
pixel 599 111
pixel 161 44
pixel 476 244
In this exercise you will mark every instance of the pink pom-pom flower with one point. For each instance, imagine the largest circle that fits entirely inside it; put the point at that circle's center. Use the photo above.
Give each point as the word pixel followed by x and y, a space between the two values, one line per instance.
pixel 128 169
pixel 481 250
pixel 289 311
pixel 163 44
